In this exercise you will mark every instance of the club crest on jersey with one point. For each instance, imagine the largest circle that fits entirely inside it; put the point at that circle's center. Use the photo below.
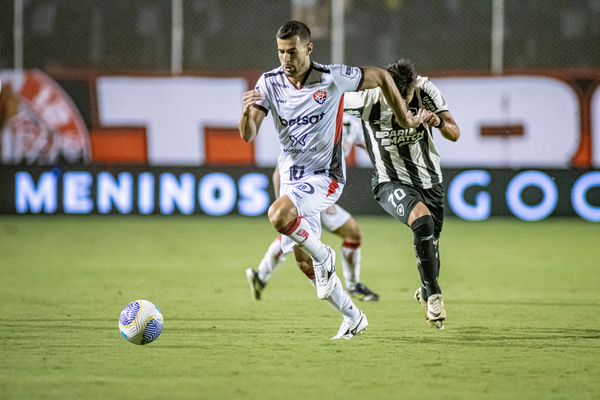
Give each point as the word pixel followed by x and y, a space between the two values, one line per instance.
pixel 400 210
pixel 320 96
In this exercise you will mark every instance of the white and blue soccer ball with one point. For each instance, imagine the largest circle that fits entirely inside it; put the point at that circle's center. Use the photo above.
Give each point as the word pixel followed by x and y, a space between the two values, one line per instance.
pixel 141 322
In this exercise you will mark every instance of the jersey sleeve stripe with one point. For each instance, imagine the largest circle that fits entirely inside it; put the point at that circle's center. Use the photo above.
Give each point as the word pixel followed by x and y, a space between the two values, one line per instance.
pixel 320 69
pixel 337 157
pixel 273 74
pixel 362 79
pixel 261 108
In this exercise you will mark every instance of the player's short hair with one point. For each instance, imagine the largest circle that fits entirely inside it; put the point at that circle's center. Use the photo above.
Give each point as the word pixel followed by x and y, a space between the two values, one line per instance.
pixel 404 76
pixel 293 28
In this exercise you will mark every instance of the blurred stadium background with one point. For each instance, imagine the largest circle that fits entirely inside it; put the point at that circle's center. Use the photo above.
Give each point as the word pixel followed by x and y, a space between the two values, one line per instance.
pixel 521 78
pixel 229 34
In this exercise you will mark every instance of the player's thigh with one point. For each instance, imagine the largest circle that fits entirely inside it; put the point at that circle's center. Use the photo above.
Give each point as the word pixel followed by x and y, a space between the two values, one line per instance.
pixel 313 195
pixel 334 217
pixel 398 199
pixel 434 200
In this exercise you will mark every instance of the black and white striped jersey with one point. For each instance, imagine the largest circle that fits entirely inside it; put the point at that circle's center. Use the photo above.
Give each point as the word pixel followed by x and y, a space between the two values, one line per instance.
pixel 398 154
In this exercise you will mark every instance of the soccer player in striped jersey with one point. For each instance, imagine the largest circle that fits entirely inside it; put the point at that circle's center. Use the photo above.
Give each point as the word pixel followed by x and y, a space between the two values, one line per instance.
pixel 335 220
pixel 306 102
pixel 407 181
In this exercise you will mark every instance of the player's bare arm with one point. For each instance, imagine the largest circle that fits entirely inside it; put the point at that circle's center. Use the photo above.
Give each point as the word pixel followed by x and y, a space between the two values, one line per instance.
pixel 444 121
pixel 252 117
pixel 377 77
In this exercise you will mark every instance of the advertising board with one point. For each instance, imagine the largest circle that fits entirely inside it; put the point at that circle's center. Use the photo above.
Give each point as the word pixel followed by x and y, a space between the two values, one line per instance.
pixel 472 194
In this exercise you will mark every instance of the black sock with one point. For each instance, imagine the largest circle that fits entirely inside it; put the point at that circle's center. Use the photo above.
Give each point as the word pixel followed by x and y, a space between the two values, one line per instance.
pixel 437 257
pixel 425 250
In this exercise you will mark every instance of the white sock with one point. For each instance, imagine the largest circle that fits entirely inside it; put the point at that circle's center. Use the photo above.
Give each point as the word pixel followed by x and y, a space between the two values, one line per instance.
pixel 341 302
pixel 341 297
pixel 351 265
pixel 329 299
pixel 299 231
pixel 273 257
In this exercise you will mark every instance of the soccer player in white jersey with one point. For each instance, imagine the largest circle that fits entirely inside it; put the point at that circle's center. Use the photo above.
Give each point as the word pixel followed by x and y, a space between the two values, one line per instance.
pixel 306 102
pixel 335 220
pixel 407 181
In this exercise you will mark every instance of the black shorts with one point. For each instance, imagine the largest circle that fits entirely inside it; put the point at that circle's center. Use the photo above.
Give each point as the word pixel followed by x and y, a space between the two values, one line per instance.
pixel 399 200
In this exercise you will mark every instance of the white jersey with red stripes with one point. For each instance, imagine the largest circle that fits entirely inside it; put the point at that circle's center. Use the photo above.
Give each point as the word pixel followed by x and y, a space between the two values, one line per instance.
pixel 308 119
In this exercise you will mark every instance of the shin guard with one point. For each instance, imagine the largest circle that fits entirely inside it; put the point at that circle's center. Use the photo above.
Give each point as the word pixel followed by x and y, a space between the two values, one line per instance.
pixel 426 253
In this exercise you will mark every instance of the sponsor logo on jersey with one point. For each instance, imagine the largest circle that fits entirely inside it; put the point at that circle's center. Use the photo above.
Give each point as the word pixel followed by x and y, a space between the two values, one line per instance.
pixel 399 136
pixel 306 188
pixel 354 113
pixel 279 84
pixel 315 82
pixel 301 151
pixel 302 120
pixel 428 103
pixel 320 96
pixel 299 139
pixel 281 101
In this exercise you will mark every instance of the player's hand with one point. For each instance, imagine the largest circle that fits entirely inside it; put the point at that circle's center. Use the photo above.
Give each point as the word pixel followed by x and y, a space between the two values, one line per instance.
pixel 431 119
pixel 415 120
pixel 250 98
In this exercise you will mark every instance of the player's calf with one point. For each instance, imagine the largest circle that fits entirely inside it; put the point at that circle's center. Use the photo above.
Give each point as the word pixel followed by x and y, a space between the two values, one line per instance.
pixel 424 236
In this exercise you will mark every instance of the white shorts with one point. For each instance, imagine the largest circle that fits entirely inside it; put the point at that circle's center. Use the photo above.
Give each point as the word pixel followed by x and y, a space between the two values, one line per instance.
pixel 334 217
pixel 310 196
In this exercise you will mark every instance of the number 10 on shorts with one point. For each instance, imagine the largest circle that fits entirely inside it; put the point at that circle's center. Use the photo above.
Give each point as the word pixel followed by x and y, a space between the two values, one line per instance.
pixel 398 195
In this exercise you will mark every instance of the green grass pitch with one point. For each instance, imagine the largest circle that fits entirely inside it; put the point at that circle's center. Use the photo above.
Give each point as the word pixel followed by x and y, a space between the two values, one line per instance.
pixel 522 301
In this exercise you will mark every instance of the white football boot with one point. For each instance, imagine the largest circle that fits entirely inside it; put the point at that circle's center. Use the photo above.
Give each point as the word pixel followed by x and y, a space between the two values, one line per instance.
pixel 256 285
pixel 436 313
pixel 349 329
pixel 419 297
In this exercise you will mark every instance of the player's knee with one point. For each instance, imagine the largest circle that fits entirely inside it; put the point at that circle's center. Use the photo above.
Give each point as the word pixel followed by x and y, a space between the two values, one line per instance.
pixel 418 211
pixel 274 214
pixel 277 216
pixel 350 231
pixel 354 231
pixel 423 228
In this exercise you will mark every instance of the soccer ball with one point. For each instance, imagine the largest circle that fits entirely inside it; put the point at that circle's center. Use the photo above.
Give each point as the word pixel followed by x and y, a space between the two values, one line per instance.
pixel 141 322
